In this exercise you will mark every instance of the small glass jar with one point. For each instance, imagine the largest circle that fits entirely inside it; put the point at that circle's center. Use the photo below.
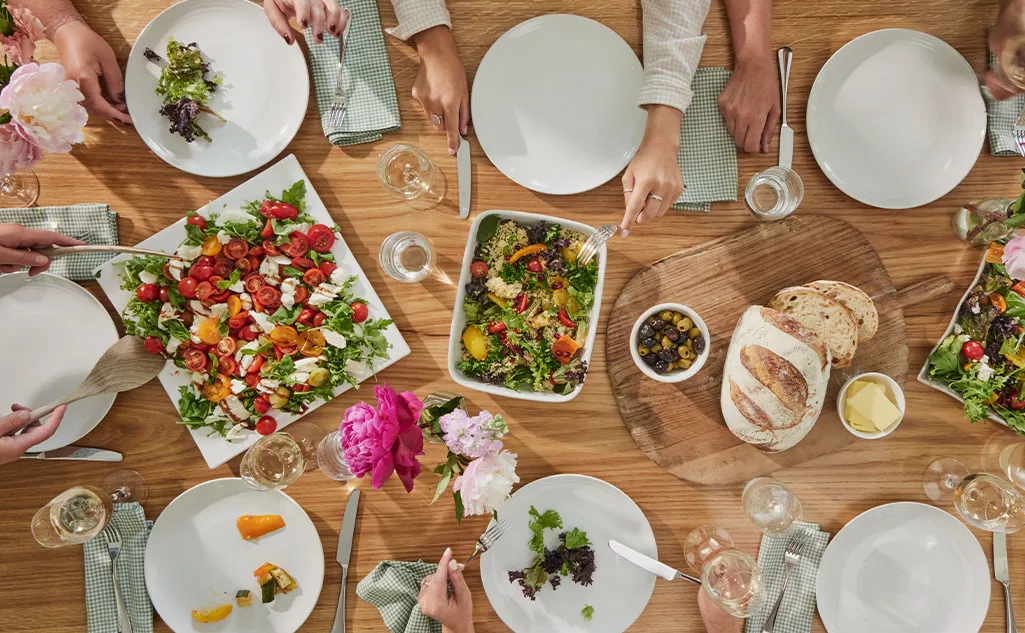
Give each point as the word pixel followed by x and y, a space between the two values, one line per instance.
pixel 331 459
pixel 985 221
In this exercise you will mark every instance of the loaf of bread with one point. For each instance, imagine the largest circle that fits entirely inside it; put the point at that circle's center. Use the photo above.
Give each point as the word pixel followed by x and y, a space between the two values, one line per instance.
pixel 774 380
pixel 829 319
pixel 862 308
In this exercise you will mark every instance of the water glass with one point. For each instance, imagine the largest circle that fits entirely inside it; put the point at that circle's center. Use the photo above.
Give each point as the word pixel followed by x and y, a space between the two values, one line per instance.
pixel 407 172
pixel 774 193
pixel 984 501
pixel 278 460
pixel 1012 463
pixel 406 256
pixel 731 577
pixel 770 505
pixel 331 459
pixel 80 513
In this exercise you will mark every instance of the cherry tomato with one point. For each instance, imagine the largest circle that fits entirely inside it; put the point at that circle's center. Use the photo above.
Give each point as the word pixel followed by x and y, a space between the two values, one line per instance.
pixel 269 297
pixel 223 267
pixel 153 345
pixel 1017 402
pixel 534 266
pixel 217 389
pixel 266 425
pixel 300 388
pixel 205 260
pixel 268 230
pixel 256 251
pixel 284 336
pixel 328 267
pixel 314 277
pixel 226 346
pixel 257 364
pixel 252 380
pixel 244 265
pixel 283 211
pixel 306 317
pixel 520 302
pixel 301 294
pixel 1019 288
pixel 211 245
pixel 201 273
pixel 260 403
pixel 271 248
pixel 196 220
pixel 496 327
pixel 147 293
pixel 214 280
pixel 238 321
pixel 568 322
pixel 973 350
pixel 297 245
pixel 187 287
pixel 479 269
pixel 204 290
pixel 311 343
pixel 236 248
pixel 319 319
pixel 359 312
pixel 203 347
pixel 254 282
pixel 163 295
pixel 167 273
pixel 226 365
pixel 195 359
pixel 247 333
pixel 303 263
pixel 265 209
pixel 321 238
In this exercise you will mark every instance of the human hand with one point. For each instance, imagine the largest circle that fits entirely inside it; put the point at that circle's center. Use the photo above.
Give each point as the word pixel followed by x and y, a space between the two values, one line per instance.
pixel 316 14
pixel 85 57
pixel 1010 25
pixel 455 611
pixel 652 182
pixel 440 84
pixel 750 103
pixel 15 242
pixel 716 620
pixel 14 446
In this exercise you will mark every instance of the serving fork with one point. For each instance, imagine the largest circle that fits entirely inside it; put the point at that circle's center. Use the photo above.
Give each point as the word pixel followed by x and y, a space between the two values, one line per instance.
pixel 340 100
pixel 594 242
pixel 791 558
pixel 487 540
pixel 113 536
pixel 1019 133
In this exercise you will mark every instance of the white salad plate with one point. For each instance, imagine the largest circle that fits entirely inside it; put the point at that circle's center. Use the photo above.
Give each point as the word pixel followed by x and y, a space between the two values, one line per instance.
pixel 903 568
pixel 57 331
pixel 620 590
pixel 896 119
pixel 215 449
pixel 554 104
pixel 455 350
pixel 263 96
pixel 196 559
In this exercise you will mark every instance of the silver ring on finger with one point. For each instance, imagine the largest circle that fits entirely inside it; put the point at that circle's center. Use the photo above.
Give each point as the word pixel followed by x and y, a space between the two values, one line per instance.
pixel 628 190
pixel 425 582
pixel 655 196
pixel 436 119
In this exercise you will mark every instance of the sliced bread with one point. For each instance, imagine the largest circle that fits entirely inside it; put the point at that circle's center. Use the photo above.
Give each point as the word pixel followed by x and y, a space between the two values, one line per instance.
pixel 862 308
pixel 826 317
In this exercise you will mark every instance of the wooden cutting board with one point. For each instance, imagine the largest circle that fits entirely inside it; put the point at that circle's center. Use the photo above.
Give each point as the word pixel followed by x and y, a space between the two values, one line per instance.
pixel 680 425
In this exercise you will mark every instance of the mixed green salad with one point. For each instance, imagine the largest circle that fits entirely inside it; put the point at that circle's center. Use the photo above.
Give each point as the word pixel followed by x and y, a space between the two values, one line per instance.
pixel 185 87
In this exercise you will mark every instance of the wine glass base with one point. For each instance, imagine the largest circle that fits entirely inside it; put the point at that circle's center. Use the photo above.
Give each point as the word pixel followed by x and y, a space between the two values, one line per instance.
pixel 19 190
pixel 702 543
pixel 940 478
pixel 126 485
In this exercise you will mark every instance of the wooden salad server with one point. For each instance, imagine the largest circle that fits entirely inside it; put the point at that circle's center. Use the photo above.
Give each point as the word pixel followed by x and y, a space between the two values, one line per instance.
pixel 61 251
pixel 124 366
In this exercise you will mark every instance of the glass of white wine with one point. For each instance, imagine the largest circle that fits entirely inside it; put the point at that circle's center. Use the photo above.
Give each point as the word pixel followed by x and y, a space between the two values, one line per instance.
pixel 770 505
pixel 279 459
pixel 731 578
pixel 984 501
pixel 80 513
pixel 408 173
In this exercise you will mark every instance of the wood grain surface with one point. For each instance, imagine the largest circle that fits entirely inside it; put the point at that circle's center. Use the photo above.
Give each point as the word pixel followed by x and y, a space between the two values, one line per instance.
pixel 43 590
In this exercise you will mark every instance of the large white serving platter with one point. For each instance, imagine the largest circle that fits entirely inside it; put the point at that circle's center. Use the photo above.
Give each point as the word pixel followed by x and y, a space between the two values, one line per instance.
pixel 264 95
pixel 280 176
pixel 196 559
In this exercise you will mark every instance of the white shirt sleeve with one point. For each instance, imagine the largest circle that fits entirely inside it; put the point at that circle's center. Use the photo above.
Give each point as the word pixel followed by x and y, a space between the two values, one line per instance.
pixel 419 15
pixel 672 49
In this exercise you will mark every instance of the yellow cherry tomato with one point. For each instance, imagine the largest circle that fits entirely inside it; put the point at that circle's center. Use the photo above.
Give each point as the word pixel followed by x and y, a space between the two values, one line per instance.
pixel 208 331
pixel 217 388
pixel 234 305
pixel 211 246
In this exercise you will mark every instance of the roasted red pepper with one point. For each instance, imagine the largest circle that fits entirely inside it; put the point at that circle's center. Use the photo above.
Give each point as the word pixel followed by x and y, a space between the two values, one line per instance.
pixel 496 327
pixel 520 302
pixel 564 318
pixel 1019 288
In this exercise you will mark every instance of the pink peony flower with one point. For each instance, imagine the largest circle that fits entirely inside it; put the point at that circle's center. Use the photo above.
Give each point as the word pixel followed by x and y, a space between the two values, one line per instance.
pixel 385 440
pixel 44 106
pixel 21 46
pixel 486 483
pixel 16 152
pixel 1014 258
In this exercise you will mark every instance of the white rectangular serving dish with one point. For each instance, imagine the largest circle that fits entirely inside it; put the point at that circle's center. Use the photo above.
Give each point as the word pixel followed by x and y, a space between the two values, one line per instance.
pixel 459 318
pixel 215 449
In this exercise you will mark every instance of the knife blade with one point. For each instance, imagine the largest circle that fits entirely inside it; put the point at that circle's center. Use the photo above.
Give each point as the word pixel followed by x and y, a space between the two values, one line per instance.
pixel 77 453
pixel 649 564
pixel 786 133
pixel 345 535
pixel 1000 557
pixel 463 171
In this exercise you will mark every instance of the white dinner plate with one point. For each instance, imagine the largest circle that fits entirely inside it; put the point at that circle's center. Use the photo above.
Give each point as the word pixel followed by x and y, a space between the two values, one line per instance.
pixel 263 96
pixel 52 331
pixel 896 119
pixel 620 591
pixel 554 104
pixel 903 568
pixel 195 559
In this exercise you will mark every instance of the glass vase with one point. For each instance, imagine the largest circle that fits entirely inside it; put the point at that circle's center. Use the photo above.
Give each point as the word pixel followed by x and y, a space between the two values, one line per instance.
pixel 985 221
pixel 331 459
pixel 18 190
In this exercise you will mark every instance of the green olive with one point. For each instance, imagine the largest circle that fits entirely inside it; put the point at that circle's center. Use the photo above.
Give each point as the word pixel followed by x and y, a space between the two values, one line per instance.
pixel 666 342
pixel 684 363
pixel 683 349
pixel 655 348
pixel 687 354
pixel 686 324
pixel 643 351
pixel 677 317
pixel 694 332
pixel 666 315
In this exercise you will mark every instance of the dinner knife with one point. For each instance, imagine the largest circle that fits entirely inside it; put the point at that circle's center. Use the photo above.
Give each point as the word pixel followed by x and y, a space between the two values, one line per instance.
pixel 1000 573
pixel 463 171
pixel 649 564
pixel 344 550
pixel 78 453
pixel 786 133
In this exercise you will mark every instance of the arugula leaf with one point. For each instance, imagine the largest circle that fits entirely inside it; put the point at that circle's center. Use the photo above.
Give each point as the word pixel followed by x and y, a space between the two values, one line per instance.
pixel 196 412
pixel 177 330
pixel 278 370
pixel 588 613
pixel 194 235
pixel 295 195
pixel 266 347
pixel 373 337
pixel 538 523
pixel 576 538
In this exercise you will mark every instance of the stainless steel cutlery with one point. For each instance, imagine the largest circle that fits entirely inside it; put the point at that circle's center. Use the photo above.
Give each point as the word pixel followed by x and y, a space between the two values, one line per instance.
pixel 1003 577
pixel 650 565
pixel 791 558
pixel 487 540
pixel 77 453
pixel 113 537
pixel 345 535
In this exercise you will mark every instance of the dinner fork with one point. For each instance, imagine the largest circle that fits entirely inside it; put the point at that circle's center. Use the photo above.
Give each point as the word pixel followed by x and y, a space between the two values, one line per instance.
pixel 791 558
pixel 339 103
pixel 113 536
pixel 601 235
pixel 487 540
pixel 1019 133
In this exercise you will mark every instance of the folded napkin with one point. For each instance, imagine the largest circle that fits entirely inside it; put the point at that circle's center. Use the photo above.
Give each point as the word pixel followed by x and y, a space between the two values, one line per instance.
pixel 100 604
pixel 392 587
pixel 372 106
pixel 708 155
pixel 1000 122
pixel 798 606
pixel 91 223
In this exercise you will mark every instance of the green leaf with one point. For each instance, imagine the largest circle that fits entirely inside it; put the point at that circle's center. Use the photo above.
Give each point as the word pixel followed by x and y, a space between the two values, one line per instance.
pixel 7 26
pixel 538 523
pixel 1015 303
pixel 576 538
pixel 946 361
pixel 177 330
pixel 487 228
pixel 224 284
pixel 286 316
pixel 295 195
pixel 446 476
pixel 588 613
pixel 459 507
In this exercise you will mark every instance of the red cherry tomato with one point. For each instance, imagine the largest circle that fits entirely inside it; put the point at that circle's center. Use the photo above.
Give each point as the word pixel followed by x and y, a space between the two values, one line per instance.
pixel 266 425
pixel 328 267
pixel 226 345
pixel 204 290
pixel 283 211
pixel 319 319
pixel 534 266
pixel 201 273
pixel 220 297
pixel 251 380
pixel 153 345
pixel 268 230
pixel 306 317
pixel 195 359
pixel 196 220
pixel 203 347
pixel 314 277
pixel 297 245
pixel 247 333
pixel 256 251
pixel 238 321
pixel 187 287
pixel 321 238
pixel 163 295
pixel 271 249
pixel 359 311
pixel 479 269
pixel 496 327
pixel 260 403
pixel 269 297
pixel 265 209
pixel 226 365
pixel 303 263
pixel 167 272
pixel 257 364
pixel 245 265
pixel 973 350
pixel 300 388
pixel 254 282
pixel 147 293
pixel 214 280
pixel 223 267
pixel 301 294
pixel 564 317
pixel 236 248
pixel 205 260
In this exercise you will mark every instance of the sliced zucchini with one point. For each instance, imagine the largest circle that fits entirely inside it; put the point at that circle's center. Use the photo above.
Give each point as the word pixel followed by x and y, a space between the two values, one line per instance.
pixel 243 598
pixel 267 591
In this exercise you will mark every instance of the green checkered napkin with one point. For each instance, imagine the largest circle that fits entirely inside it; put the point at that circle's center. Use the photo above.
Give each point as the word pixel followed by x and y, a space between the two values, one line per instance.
pixel 795 614
pixel 372 106
pixel 392 587
pixel 708 155
pixel 91 223
pixel 1000 122
pixel 100 604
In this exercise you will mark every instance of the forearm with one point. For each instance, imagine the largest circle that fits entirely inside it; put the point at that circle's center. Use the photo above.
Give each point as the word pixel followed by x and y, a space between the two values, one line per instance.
pixel 663 126
pixel 52 13
pixel 750 29
pixel 672 49
pixel 417 16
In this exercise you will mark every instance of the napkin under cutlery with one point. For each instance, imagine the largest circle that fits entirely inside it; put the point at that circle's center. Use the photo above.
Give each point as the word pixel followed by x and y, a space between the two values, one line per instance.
pixel 1000 119
pixel 795 614
pixel 372 106
pixel 91 223
pixel 100 604
pixel 708 155
pixel 393 587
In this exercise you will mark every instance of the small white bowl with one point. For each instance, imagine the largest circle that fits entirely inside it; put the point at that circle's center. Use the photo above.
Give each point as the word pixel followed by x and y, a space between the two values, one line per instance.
pixel 675 376
pixel 893 389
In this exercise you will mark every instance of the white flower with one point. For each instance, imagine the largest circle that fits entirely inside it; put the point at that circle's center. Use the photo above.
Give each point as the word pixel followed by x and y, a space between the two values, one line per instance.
pixel 486 483
pixel 44 105
pixel 16 152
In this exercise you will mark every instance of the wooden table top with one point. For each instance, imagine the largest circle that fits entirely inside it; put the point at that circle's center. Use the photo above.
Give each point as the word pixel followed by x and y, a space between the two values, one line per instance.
pixel 585 436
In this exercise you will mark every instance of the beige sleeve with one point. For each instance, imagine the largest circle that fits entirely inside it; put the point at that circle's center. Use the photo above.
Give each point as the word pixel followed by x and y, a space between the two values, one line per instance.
pixel 418 15
pixel 672 50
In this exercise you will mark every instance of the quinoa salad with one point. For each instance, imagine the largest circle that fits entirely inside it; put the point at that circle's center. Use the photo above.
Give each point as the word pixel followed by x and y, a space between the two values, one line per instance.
pixel 527 307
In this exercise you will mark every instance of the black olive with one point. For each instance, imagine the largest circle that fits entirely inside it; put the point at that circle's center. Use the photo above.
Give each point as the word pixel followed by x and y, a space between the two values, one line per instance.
pixel 669 355
pixel 699 344
pixel 683 337
pixel 660 366
pixel 650 359
pixel 656 323
pixel 646 331
pixel 671 333
pixel 649 342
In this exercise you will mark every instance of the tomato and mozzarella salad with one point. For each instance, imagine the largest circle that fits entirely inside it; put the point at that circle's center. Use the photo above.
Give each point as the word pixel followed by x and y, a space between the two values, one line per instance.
pixel 255 306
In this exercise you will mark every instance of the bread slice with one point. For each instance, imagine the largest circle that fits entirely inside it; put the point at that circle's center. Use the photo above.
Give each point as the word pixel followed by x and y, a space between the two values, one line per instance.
pixel 862 308
pixel 826 317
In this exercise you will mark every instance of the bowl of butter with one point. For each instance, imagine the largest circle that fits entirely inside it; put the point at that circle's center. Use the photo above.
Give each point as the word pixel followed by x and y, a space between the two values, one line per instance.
pixel 871 405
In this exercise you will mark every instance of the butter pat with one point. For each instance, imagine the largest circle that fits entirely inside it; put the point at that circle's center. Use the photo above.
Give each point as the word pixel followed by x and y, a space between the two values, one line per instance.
pixel 868 407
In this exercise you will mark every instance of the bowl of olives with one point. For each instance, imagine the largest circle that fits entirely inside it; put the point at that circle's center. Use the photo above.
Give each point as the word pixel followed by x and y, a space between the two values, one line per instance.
pixel 669 343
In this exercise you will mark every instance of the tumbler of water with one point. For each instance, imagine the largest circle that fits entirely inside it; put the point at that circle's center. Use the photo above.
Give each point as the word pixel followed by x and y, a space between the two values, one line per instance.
pixel 770 505
pixel 406 256
pixel 774 193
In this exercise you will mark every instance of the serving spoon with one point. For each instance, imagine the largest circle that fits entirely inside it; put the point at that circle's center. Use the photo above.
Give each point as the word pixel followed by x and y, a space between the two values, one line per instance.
pixel 61 251
pixel 124 366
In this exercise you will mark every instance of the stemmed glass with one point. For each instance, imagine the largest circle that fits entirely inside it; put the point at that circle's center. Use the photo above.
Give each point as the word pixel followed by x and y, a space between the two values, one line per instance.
pixel 984 501
pixel 80 513
pixel 731 577
pixel 770 505
pixel 278 460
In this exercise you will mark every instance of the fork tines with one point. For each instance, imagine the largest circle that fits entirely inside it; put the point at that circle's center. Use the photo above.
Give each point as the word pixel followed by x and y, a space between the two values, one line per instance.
pixel 336 116
pixel 493 533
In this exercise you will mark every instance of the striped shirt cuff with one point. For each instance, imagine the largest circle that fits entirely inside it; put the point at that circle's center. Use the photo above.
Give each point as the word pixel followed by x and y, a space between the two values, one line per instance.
pixel 415 17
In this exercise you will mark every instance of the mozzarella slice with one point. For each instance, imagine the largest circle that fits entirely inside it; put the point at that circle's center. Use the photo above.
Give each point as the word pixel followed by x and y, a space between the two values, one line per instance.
pixel 223 237
pixel 188 252
pixel 298 377
pixel 147 277
pixel 236 408
pixel 333 339
pixel 263 321
pixel 237 386
pixel 172 345
pixel 233 215
pixel 307 364
pixel 267 385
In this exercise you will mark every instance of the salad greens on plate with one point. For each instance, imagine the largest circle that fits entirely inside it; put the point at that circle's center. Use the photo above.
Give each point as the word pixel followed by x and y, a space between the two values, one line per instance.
pixel 185 87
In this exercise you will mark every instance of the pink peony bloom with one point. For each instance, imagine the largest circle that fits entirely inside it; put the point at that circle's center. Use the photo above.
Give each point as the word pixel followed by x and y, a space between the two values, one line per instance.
pixel 44 106
pixel 16 152
pixel 385 440
pixel 486 483
pixel 1014 258
pixel 21 46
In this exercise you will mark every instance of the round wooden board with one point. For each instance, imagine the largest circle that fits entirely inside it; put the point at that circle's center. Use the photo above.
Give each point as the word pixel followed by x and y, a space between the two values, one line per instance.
pixel 680 426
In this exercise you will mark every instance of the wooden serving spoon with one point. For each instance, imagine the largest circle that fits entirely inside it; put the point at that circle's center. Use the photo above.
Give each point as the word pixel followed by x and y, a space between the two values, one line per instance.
pixel 125 365
pixel 61 251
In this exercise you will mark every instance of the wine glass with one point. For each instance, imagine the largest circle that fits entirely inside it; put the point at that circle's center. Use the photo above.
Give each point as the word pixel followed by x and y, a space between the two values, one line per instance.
pixel 984 501
pixel 731 577
pixel 770 505
pixel 80 513
pixel 278 460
